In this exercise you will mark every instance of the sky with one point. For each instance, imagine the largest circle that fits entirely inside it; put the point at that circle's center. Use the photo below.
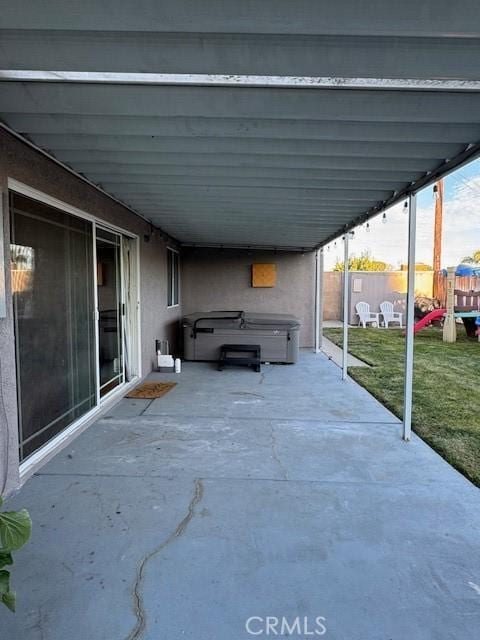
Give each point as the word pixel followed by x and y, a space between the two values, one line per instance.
pixel 461 225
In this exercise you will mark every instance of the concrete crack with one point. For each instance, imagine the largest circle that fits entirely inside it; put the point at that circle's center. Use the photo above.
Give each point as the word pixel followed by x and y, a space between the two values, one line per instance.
pixel 138 603
pixel 147 407
pixel 275 454
pixel 38 625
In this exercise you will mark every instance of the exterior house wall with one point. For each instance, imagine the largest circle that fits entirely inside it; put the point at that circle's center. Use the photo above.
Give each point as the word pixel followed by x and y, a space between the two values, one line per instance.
pixel 221 279
pixel 21 162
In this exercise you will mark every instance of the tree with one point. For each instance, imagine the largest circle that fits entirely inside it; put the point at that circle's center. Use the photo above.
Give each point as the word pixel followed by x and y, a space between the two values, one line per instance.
pixel 363 262
pixel 419 266
pixel 473 259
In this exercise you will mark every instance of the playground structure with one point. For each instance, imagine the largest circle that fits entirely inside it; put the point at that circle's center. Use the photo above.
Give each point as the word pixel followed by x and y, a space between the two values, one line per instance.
pixel 458 304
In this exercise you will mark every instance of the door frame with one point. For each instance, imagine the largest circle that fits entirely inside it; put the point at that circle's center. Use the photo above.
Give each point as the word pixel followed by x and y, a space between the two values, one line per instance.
pixel 45 452
pixel 97 225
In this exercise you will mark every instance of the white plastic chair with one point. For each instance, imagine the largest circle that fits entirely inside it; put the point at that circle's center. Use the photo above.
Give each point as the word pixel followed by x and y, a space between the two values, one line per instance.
pixel 366 316
pixel 389 315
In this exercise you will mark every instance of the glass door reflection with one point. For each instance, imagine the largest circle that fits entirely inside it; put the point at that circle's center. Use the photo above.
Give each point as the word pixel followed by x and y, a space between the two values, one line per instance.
pixel 53 301
pixel 110 310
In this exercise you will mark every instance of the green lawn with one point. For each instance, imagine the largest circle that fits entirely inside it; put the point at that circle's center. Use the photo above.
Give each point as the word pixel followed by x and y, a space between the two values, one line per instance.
pixel 446 392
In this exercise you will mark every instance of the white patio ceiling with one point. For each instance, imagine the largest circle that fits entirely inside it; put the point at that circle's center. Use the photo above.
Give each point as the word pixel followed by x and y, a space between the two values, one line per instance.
pixel 214 161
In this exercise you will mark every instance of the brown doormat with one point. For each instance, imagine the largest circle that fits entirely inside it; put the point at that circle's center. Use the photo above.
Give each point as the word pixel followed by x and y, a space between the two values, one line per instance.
pixel 151 390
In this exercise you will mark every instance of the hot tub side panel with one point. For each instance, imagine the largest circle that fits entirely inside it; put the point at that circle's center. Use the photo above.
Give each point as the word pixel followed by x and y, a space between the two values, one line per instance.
pixel 203 342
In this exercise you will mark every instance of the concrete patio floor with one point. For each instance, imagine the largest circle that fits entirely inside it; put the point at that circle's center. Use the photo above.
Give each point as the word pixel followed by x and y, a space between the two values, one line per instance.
pixel 286 493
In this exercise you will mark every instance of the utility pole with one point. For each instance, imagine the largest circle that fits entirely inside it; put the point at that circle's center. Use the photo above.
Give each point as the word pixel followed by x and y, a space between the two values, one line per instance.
pixel 437 237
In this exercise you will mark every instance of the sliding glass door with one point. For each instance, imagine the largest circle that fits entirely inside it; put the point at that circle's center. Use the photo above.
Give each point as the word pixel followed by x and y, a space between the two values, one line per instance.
pixel 53 296
pixel 75 336
pixel 110 309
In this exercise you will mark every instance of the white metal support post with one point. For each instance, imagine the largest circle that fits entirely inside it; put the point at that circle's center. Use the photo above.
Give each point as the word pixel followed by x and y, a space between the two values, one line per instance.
pixel 318 300
pixel 346 309
pixel 409 339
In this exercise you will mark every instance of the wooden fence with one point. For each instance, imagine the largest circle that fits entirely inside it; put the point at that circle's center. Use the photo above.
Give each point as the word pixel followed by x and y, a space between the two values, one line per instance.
pixel 463 283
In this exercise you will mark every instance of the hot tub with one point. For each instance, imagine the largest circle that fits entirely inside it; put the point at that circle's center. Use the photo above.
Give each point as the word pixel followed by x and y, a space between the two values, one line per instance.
pixel 276 333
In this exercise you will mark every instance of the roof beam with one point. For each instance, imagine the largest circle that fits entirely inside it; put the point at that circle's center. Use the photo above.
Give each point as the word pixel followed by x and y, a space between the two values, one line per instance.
pixel 232 102
pixel 169 210
pixel 111 181
pixel 106 172
pixel 85 159
pixel 244 81
pixel 265 54
pixel 247 247
pixel 243 128
pixel 235 192
pixel 232 146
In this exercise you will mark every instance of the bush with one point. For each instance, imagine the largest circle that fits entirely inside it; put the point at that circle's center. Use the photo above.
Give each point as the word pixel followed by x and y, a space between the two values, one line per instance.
pixel 15 531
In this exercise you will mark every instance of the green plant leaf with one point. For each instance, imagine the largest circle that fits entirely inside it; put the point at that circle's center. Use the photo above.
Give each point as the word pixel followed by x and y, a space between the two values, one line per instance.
pixel 5 559
pixel 9 600
pixel 15 529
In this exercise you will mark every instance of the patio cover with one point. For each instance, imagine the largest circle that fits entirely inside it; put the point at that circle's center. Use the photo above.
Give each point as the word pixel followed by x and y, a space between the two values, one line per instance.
pixel 254 123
